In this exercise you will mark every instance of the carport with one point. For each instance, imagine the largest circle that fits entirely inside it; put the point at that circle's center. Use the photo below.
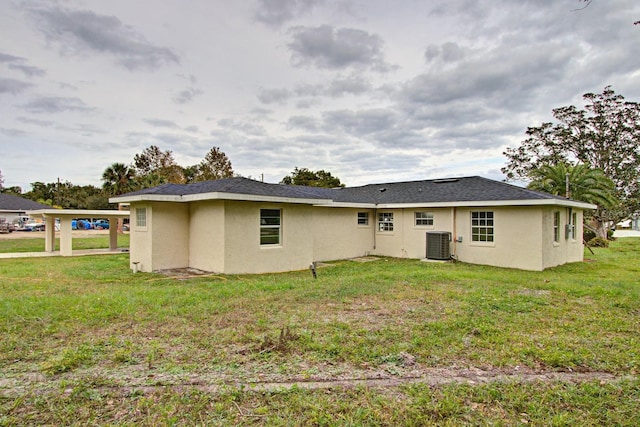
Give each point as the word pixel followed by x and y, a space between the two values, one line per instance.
pixel 66 216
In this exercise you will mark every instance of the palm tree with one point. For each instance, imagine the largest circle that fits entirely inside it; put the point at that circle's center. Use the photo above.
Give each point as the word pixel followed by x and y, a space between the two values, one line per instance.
pixel 584 183
pixel 118 179
pixel 579 182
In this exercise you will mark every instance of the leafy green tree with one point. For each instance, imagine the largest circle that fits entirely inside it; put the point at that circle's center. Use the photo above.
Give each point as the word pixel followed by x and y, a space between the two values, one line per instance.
pixel 153 161
pixel 215 165
pixel 605 135
pixel 304 176
pixel 118 179
pixel 1 182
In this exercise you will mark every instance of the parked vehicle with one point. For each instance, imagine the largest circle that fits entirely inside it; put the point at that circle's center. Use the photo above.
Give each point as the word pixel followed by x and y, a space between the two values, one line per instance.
pixel 82 224
pixel 32 225
pixel 101 224
pixel 5 227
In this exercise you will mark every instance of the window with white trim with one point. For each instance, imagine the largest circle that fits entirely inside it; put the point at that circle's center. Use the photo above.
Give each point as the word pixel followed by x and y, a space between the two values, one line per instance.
pixel 385 221
pixel 141 217
pixel 482 223
pixel 363 218
pixel 574 224
pixel 270 226
pixel 424 218
pixel 556 226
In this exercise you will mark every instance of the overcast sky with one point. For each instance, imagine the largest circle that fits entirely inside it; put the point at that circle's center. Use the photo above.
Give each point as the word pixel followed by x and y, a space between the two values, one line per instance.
pixel 371 90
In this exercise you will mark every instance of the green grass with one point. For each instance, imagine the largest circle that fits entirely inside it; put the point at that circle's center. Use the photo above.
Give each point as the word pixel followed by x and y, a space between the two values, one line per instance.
pixel 82 337
pixel 36 244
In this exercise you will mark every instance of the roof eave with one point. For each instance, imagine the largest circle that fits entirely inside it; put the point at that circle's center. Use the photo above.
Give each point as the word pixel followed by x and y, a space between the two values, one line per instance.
pixel 217 196
pixel 473 203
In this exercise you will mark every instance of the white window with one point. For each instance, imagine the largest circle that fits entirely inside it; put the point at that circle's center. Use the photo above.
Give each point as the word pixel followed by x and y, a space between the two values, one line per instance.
pixel 385 221
pixel 556 226
pixel 141 217
pixel 363 218
pixel 574 224
pixel 270 226
pixel 482 226
pixel 424 218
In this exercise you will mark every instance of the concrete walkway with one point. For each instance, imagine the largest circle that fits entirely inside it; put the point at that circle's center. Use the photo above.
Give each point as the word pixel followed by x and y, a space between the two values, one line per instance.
pixel 626 233
pixel 83 252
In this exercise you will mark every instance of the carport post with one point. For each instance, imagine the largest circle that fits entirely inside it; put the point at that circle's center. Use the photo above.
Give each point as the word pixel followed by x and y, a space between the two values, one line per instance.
pixel 50 234
pixel 65 236
pixel 113 234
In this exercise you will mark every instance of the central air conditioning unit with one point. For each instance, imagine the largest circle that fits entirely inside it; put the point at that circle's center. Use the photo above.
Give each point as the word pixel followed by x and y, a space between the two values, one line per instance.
pixel 438 245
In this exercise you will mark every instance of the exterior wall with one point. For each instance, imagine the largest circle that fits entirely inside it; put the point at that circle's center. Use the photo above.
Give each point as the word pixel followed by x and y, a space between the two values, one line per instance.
pixel 337 234
pixel 224 236
pixel 408 240
pixel 243 252
pixel 566 249
pixel 517 238
pixel 206 230
pixel 140 240
pixel 170 241
pixel 163 243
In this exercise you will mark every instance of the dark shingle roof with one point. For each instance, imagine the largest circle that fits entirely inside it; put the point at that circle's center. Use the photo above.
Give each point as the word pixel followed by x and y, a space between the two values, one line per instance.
pixel 465 189
pixel 9 202
pixel 231 185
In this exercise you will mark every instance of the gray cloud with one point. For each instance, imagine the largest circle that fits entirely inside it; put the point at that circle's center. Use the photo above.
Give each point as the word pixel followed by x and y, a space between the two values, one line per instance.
pixel 12 133
pixel 340 86
pixel 244 127
pixel 274 13
pixel 56 105
pixel 274 96
pixel 331 48
pixel 18 63
pixel 306 123
pixel 161 123
pixel 28 70
pixel 13 86
pixel 359 123
pixel 186 95
pixel 4 57
pixel 447 52
pixel 83 30
pixel 43 123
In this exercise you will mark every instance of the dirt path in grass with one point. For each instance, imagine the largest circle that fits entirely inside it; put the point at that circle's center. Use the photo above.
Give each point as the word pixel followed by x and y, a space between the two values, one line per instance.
pixel 139 379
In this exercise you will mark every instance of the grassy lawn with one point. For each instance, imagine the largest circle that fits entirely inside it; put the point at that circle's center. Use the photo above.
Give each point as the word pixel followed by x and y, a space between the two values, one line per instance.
pixel 85 341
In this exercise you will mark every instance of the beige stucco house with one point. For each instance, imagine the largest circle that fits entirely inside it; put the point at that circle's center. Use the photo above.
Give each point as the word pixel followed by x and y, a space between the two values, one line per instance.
pixel 239 225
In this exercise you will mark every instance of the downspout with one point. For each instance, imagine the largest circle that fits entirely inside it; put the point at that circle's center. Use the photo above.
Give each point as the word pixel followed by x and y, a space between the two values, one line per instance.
pixel 375 216
pixel 455 232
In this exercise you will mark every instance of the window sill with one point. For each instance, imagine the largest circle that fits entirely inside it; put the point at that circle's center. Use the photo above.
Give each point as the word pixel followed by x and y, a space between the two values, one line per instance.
pixel 483 244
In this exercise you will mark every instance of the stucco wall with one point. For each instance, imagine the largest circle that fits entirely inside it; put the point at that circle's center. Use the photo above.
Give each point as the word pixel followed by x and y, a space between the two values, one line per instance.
pixel 170 245
pixel 337 234
pixel 565 249
pixel 163 242
pixel 243 252
pixel 140 240
pixel 408 240
pixel 517 238
pixel 206 230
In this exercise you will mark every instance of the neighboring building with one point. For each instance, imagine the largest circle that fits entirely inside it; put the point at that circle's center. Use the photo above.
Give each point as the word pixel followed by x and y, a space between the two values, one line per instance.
pixel 16 207
pixel 238 225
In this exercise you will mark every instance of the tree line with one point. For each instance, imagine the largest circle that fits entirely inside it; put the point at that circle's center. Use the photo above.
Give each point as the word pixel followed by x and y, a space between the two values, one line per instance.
pixel 150 168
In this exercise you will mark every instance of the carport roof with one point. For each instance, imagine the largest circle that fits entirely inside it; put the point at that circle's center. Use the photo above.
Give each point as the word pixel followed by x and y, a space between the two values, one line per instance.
pixel 80 213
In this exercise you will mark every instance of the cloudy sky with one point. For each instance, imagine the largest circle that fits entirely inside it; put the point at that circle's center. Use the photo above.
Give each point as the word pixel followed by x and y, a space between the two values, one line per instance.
pixel 370 90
